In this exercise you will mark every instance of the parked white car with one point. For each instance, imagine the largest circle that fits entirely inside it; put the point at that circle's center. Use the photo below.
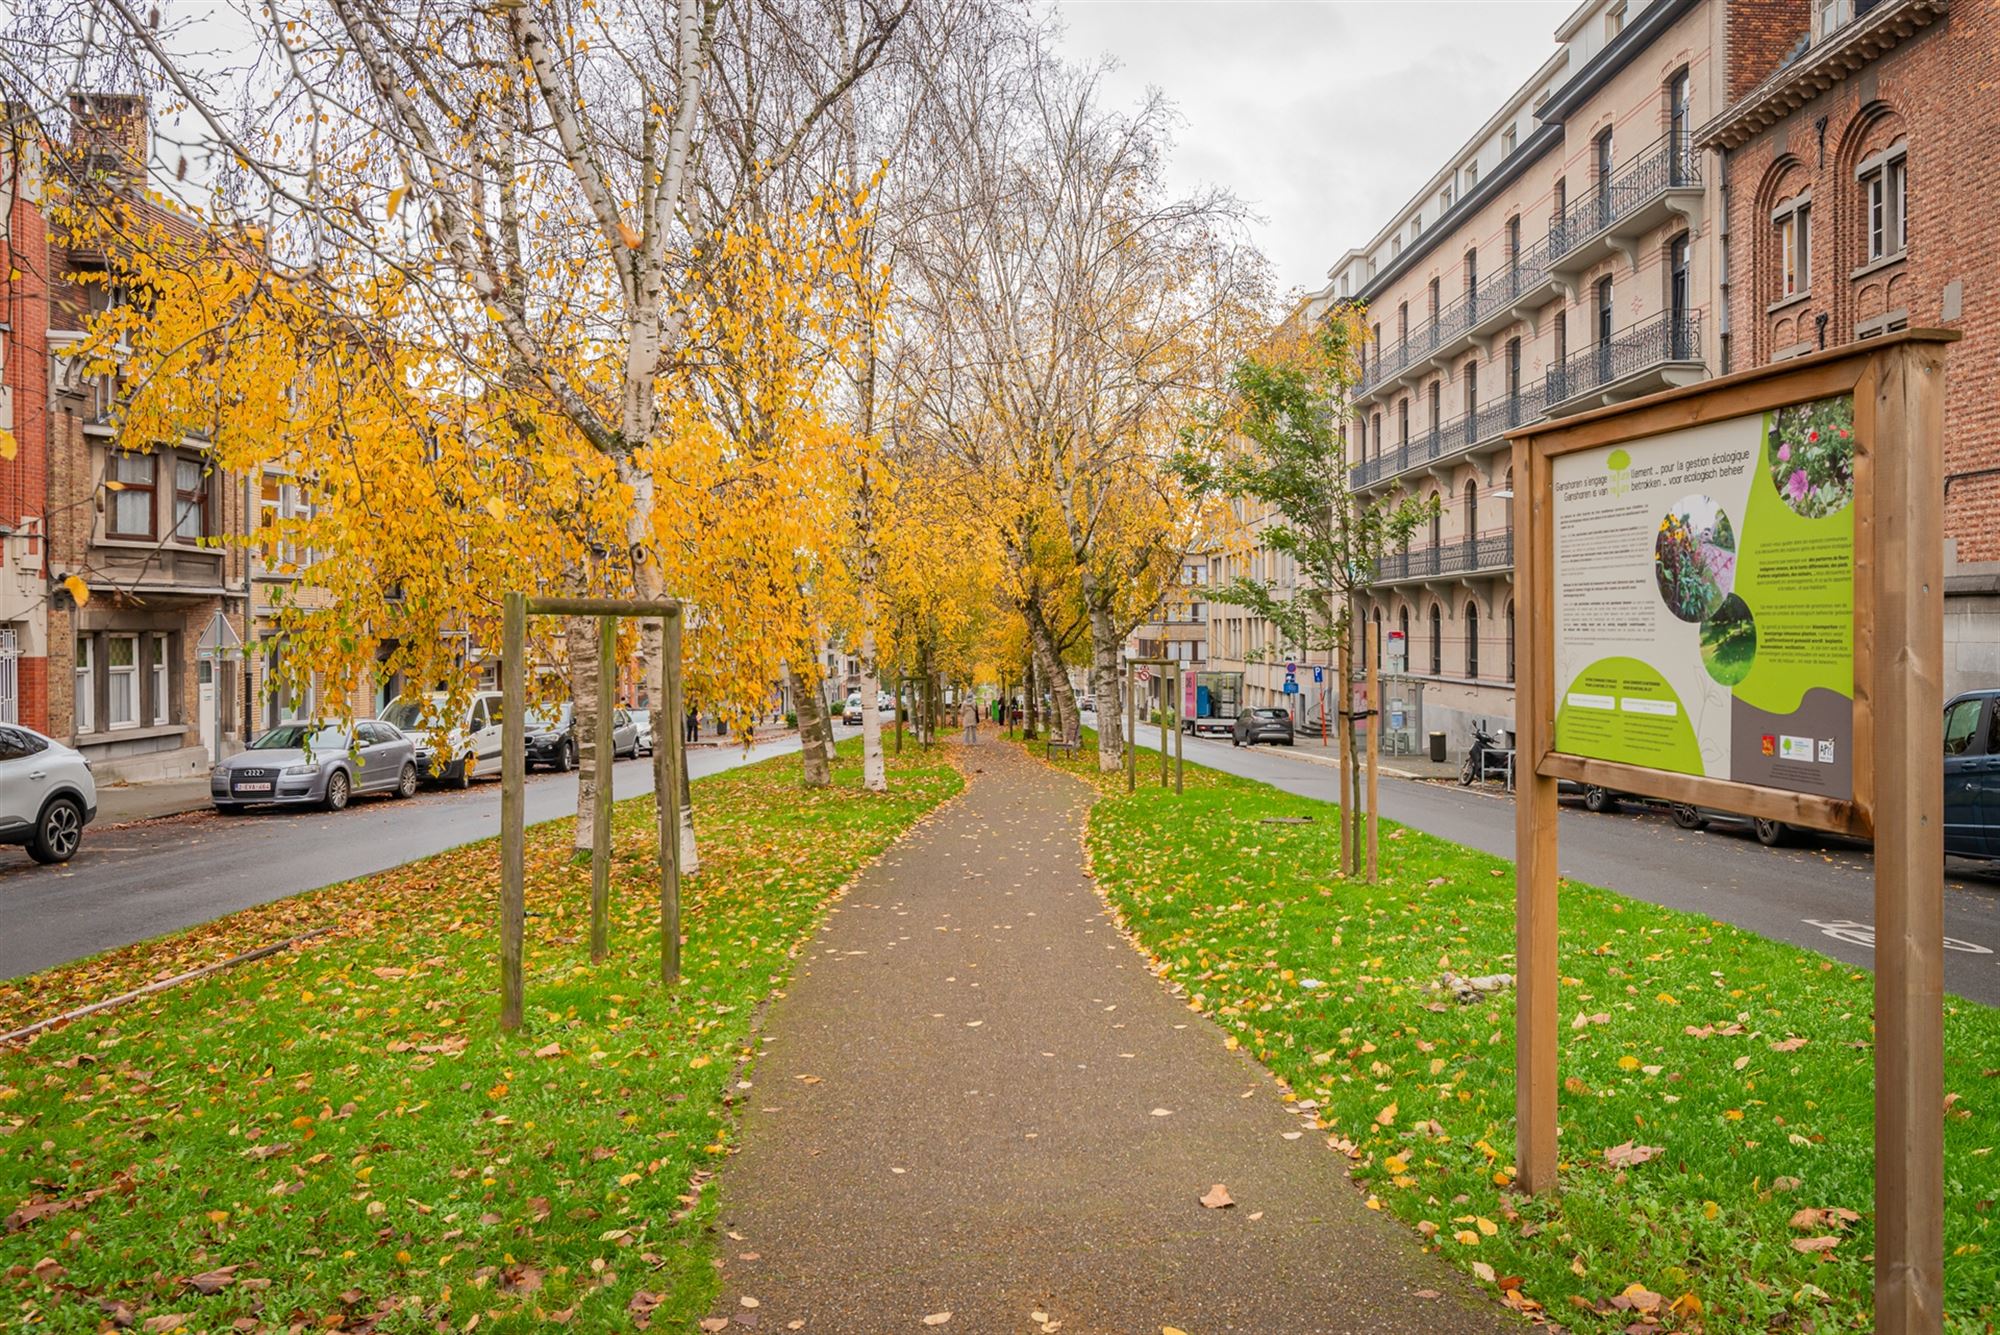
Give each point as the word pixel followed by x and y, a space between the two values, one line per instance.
pixel 469 738
pixel 47 794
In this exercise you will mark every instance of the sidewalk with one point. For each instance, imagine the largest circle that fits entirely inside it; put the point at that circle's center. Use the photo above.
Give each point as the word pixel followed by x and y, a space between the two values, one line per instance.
pixel 975 1098
pixel 1390 767
pixel 122 803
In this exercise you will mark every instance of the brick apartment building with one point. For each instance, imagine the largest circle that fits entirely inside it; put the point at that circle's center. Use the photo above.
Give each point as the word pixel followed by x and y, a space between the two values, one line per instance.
pixel 159 551
pixel 24 412
pixel 1855 177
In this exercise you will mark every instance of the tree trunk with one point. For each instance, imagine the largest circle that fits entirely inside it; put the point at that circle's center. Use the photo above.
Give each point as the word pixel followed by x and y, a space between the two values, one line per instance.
pixel 812 719
pixel 1028 694
pixel 874 773
pixel 580 640
pixel 1066 725
pixel 1104 663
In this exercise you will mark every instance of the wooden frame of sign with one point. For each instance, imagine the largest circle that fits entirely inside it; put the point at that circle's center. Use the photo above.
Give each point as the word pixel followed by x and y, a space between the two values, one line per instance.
pixel 1584 486
pixel 669 776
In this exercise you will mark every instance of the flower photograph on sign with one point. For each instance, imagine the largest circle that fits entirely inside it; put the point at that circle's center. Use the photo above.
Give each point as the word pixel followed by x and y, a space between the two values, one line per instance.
pixel 1694 558
pixel 1812 455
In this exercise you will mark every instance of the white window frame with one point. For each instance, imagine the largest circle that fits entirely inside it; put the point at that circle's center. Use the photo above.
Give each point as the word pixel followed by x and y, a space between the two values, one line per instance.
pixel 1885 199
pixel 112 676
pixel 161 674
pixel 86 684
pixel 1793 220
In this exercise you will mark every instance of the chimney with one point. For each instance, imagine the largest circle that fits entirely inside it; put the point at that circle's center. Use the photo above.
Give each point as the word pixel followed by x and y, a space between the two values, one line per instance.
pixel 112 136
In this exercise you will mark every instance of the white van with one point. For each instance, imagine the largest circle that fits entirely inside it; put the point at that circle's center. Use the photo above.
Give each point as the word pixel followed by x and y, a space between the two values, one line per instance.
pixel 469 741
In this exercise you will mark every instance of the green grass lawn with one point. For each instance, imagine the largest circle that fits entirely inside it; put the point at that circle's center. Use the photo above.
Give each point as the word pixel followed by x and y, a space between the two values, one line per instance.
pixel 1717 1112
pixel 339 1137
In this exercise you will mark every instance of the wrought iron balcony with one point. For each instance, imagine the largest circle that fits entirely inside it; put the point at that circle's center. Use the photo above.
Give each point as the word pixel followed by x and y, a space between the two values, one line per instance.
pixel 1459 436
pixel 1483 554
pixel 1653 354
pixel 1662 182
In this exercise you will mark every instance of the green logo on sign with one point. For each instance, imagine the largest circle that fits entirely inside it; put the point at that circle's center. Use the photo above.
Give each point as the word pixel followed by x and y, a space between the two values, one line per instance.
pixel 1620 464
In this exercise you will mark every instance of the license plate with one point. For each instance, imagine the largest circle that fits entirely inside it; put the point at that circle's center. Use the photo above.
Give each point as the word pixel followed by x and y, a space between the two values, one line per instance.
pixel 253 787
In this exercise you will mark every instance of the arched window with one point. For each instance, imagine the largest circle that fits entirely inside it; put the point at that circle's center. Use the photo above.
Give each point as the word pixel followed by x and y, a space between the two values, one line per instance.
pixel 1510 639
pixel 1403 625
pixel 1471 509
pixel 1472 640
pixel 1437 640
pixel 1437 520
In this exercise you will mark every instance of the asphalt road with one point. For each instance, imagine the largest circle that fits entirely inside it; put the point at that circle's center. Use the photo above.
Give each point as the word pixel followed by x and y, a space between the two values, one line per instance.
pixel 130 883
pixel 1819 894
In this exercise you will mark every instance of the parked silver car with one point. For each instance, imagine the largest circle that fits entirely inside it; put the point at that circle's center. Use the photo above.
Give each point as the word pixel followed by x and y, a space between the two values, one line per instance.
pixel 47 794
pixel 1262 725
pixel 310 764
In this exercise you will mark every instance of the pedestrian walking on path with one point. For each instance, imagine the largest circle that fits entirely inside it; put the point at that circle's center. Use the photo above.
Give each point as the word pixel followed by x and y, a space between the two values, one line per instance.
pixel 969 717
pixel 976 1098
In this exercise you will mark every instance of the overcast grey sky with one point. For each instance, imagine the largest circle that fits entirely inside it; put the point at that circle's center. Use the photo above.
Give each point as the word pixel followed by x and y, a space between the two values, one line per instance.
pixel 1325 116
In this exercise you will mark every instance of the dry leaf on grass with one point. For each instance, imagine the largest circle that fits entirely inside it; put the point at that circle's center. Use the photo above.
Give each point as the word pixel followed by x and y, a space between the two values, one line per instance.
pixel 1629 1155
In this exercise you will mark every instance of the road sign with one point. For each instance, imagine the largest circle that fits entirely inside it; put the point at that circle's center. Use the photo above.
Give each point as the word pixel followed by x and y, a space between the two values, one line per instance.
pixel 1291 668
pixel 1291 686
pixel 1319 675
pixel 1143 675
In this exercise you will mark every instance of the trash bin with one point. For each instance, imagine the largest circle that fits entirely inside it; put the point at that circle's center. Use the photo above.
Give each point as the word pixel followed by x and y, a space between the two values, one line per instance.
pixel 1437 747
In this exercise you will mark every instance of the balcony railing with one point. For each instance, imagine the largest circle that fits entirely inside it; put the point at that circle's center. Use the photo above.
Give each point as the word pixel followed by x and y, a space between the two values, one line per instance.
pixel 1668 163
pixel 1494 296
pixel 1671 336
pixel 1464 556
pixel 1465 432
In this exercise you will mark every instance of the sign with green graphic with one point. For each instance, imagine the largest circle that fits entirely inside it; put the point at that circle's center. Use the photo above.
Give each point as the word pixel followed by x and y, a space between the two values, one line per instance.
pixel 1703 604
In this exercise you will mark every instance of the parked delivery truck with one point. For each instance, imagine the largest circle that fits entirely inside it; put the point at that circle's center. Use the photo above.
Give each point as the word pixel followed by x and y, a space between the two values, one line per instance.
pixel 1212 699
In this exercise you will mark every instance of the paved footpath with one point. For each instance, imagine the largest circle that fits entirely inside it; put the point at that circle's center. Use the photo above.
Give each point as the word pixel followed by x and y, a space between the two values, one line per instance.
pixel 976 1099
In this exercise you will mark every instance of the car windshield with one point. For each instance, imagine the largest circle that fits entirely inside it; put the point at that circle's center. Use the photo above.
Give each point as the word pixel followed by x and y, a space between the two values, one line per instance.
pixel 547 718
pixel 408 715
pixel 1273 714
pixel 302 737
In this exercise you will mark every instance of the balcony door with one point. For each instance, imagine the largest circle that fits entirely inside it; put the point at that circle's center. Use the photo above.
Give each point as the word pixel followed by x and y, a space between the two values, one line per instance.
pixel 1603 330
pixel 1603 167
pixel 1471 523
pixel 1677 298
pixel 1513 382
pixel 1680 149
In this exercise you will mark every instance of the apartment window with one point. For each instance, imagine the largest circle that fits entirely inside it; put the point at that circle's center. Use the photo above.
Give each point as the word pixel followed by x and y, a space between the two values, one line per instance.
pixel 190 500
pixel 1471 508
pixel 1679 127
pixel 1472 640
pixel 1403 628
pixel 1513 370
pixel 1562 337
pixel 121 664
pixel 1602 156
pixel 1471 392
pixel 1885 185
pixel 1434 300
pixel 1416 227
pixel 1471 271
pixel 1376 422
pixel 1829 15
pixel 1437 641
pixel 1508 139
pixel 1396 245
pixel 1793 221
pixel 86 684
pixel 1445 198
pixel 1560 195
pixel 1403 421
pixel 1402 319
pixel 1437 520
pixel 156 670
pixel 1471 176
pixel 1614 21
pixel 1435 394
pixel 132 486
pixel 1514 243
pixel 1605 310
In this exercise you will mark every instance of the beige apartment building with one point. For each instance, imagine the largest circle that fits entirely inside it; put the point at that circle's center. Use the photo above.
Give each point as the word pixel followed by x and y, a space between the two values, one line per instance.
pixel 1569 255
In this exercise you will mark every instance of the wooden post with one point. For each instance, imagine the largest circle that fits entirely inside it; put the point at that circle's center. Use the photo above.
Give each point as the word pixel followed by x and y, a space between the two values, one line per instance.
pixel 1350 860
pixel 1535 1032
pixel 1904 442
pixel 1131 736
pixel 670 773
pixel 600 777
pixel 1163 725
pixel 1180 727
pixel 900 679
pixel 1370 651
pixel 513 810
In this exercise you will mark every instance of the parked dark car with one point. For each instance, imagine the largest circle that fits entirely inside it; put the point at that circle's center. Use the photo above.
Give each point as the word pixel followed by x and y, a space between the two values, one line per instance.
pixel 552 736
pixel 1262 725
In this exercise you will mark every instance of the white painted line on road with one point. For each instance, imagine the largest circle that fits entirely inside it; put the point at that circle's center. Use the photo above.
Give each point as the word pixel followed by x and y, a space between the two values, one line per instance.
pixel 1863 934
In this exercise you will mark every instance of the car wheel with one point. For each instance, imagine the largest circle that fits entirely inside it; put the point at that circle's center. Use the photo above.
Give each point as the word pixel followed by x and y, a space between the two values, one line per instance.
pixel 566 758
pixel 57 832
pixel 463 779
pixel 1686 816
pixel 406 783
pixel 338 790
pixel 1598 799
pixel 1771 833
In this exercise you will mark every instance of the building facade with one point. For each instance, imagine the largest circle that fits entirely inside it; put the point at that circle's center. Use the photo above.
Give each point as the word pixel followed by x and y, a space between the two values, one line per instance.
pixel 1568 256
pixel 1855 208
pixel 24 417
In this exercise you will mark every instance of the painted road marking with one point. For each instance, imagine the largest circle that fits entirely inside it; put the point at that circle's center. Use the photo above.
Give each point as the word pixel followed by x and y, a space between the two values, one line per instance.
pixel 1863 934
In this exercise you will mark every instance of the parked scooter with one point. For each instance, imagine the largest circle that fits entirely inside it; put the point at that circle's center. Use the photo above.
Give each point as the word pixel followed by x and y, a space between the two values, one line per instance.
pixel 1474 765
